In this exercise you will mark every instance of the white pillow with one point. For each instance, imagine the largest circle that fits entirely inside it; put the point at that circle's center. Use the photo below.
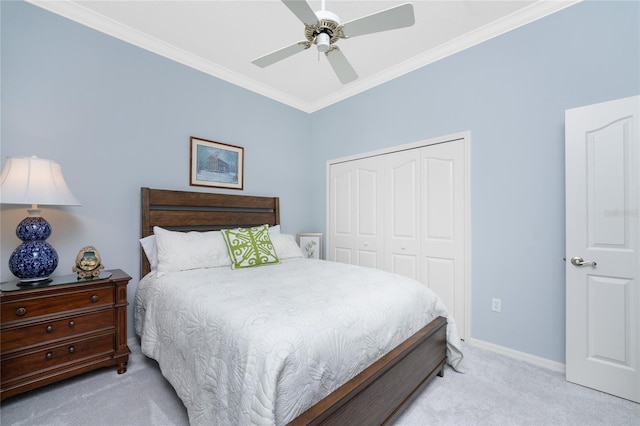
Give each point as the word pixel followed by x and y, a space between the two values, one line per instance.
pixel 285 246
pixel 149 246
pixel 275 229
pixel 179 251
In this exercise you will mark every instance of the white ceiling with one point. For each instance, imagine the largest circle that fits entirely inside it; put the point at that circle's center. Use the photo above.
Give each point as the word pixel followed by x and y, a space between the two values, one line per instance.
pixel 221 38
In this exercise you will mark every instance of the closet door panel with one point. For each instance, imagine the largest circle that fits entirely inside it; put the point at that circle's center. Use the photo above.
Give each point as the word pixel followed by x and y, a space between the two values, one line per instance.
pixel 368 224
pixel 406 265
pixel 342 255
pixel 356 216
pixel 402 228
pixel 442 218
pixel 438 192
pixel 439 273
pixel 341 214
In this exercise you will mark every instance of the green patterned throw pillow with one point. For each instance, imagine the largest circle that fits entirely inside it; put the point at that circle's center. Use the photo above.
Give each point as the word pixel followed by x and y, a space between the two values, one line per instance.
pixel 250 247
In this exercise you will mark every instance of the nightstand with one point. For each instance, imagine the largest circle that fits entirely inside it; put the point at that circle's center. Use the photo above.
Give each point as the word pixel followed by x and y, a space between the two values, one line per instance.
pixel 61 328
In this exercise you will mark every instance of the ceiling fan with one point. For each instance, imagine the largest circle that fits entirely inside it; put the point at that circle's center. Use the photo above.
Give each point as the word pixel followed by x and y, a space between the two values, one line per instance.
pixel 324 29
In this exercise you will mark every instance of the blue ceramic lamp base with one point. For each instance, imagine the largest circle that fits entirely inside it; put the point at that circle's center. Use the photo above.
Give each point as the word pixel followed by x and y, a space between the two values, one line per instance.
pixel 35 259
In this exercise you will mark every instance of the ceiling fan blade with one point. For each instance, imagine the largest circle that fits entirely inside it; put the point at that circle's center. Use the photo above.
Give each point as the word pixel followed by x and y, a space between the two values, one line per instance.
pixel 342 67
pixel 278 55
pixel 302 10
pixel 388 19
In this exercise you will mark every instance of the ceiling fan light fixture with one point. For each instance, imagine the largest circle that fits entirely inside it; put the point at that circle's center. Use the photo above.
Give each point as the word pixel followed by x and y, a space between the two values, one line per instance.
pixel 324 29
pixel 323 42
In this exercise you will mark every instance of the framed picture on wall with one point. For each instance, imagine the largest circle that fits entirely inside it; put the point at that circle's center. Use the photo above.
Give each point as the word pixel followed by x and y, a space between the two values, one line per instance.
pixel 311 245
pixel 216 164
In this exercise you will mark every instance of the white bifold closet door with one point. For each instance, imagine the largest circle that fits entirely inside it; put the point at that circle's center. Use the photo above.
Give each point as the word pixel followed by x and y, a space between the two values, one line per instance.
pixel 406 212
pixel 355 234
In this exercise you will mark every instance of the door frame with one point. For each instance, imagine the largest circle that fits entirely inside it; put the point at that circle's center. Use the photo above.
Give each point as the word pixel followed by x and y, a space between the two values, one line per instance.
pixel 465 331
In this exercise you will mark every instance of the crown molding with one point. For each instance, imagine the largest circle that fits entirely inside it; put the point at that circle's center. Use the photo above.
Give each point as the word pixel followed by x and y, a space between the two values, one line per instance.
pixel 82 15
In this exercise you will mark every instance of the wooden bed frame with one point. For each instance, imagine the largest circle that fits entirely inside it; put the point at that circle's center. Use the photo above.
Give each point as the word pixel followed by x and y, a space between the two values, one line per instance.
pixel 378 394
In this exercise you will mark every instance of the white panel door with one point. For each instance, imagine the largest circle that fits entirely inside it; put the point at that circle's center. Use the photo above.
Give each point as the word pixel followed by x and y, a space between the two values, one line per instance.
pixel 368 214
pixel 341 233
pixel 442 221
pixel 355 232
pixel 402 204
pixel 603 247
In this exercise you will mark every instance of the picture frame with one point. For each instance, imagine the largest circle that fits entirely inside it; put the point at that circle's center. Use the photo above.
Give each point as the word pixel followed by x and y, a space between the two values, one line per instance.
pixel 216 164
pixel 311 245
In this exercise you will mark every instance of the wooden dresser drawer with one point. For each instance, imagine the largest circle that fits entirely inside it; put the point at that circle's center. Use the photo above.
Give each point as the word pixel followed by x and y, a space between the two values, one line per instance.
pixel 55 355
pixel 37 306
pixel 46 331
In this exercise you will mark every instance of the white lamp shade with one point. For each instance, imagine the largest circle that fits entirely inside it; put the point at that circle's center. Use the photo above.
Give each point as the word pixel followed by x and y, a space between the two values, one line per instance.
pixel 33 180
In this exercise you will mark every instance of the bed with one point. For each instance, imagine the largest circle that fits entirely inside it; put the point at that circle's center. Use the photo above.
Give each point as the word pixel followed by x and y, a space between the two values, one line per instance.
pixel 220 368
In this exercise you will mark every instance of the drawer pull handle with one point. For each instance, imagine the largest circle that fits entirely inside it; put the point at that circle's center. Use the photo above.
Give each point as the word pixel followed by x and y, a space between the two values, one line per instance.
pixel 94 298
pixel 49 329
pixel 71 349
pixel 21 311
pixel 72 324
pixel 49 355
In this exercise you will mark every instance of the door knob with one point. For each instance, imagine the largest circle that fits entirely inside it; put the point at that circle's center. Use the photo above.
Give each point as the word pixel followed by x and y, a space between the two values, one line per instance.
pixel 578 261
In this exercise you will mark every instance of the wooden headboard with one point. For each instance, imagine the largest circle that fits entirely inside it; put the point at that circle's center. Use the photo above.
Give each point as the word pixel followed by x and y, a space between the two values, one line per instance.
pixel 201 211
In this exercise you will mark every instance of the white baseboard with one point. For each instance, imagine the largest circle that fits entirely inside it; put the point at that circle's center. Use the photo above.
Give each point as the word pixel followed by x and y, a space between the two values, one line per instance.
pixel 536 360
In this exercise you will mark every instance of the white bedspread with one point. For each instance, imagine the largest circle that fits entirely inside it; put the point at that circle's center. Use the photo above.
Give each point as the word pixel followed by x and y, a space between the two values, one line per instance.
pixel 261 345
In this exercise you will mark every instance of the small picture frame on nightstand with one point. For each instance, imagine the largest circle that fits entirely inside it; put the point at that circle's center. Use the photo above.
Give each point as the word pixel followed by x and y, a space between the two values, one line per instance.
pixel 311 245
pixel 88 263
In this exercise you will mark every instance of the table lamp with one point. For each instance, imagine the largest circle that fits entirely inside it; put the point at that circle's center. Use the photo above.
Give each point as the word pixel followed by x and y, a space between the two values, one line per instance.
pixel 33 180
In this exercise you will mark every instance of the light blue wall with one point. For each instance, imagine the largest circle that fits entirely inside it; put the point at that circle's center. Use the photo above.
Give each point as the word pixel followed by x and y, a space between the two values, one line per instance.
pixel 511 93
pixel 119 118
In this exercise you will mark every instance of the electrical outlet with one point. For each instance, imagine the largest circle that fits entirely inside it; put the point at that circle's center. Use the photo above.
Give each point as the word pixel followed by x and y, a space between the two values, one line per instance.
pixel 496 305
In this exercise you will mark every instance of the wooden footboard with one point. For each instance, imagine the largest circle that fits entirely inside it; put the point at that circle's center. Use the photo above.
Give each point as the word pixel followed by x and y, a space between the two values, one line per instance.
pixel 382 391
